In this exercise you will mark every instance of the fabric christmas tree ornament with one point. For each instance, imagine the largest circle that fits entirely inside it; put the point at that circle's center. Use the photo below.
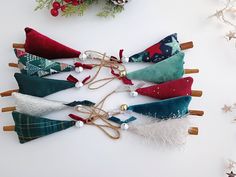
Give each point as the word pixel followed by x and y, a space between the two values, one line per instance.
pixel 171 89
pixel 41 45
pixel 166 48
pixel 37 106
pixel 166 70
pixel 161 132
pixel 33 65
pixel 165 109
pixel 40 87
pixel 31 127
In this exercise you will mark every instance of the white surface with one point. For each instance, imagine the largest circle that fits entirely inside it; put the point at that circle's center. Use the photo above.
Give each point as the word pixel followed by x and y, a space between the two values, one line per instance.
pixel 87 152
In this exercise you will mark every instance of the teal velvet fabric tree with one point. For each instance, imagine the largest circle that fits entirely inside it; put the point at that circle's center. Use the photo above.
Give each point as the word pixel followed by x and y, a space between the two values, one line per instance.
pixel 165 109
pixel 40 87
pixel 166 70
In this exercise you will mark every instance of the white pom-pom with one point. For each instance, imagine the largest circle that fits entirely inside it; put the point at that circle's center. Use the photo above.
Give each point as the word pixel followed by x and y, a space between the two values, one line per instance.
pixel 79 124
pixel 79 84
pixel 78 107
pixel 79 69
pixel 110 114
pixel 124 126
pixel 83 56
pixel 125 59
pixel 133 94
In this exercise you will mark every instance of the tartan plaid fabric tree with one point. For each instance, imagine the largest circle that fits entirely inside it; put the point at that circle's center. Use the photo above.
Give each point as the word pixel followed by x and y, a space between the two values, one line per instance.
pixel 30 127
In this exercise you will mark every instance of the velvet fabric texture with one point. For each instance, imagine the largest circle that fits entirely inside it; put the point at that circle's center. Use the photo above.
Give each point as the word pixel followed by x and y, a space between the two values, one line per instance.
pixel 43 46
pixel 171 89
pixel 40 87
pixel 33 65
pixel 167 109
pixel 31 127
pixel 84 103
pixel 166 70
pixel 119 121
pixel 162 50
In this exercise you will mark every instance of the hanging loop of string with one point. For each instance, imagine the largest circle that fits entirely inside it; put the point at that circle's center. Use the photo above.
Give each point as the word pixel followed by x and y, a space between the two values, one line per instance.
pixel 113 65
pixel 108 62
pixel 95 114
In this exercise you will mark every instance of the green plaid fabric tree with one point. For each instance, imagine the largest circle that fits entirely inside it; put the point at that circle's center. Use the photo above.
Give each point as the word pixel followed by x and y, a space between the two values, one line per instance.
pixel 30 127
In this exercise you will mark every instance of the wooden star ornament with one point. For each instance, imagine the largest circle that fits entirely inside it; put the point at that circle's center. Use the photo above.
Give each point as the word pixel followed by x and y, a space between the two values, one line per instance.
pixel 231 174
pixel 227 108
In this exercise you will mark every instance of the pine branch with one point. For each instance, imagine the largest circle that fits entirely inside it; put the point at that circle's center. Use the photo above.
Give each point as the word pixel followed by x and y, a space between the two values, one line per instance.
pixel 43 3
pixel 109 9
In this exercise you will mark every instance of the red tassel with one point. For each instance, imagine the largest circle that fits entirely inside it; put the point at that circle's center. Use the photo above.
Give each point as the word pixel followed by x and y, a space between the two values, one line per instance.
pixel 71 78
pixel 121 55
pixel 77 118
pixel 85 66
pixel 113 72
pixel 124 79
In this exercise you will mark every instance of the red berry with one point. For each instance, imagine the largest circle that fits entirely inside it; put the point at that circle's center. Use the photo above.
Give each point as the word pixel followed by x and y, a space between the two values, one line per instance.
pixel 54 12
pixel 67 1
pixel 63 8
pixel 75 3
pixel 56 5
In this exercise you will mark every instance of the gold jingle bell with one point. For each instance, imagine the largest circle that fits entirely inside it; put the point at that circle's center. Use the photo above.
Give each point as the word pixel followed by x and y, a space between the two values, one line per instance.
pixel 124 107
pixel 122 73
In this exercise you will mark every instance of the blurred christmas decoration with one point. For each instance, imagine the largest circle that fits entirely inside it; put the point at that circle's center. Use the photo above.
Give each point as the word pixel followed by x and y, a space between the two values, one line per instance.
pixel 227 108
pixel 231 167
pixel 231 174
pixel 230 108
pixel 72 7
pixel 227 16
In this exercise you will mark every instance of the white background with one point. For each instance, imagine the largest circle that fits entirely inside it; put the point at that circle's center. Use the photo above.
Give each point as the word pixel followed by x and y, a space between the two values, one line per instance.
pixel 88 152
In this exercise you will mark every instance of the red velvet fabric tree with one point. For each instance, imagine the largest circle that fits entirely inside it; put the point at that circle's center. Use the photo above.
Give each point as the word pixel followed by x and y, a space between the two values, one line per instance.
pixel 175 88
pixel 43 46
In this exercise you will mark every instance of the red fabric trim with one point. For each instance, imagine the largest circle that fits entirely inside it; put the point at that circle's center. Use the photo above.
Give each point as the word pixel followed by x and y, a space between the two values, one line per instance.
pixel 77 118
pixel 124 79
pixel 71 78
pixel 121 55
pixel 86 79
pixel 85 66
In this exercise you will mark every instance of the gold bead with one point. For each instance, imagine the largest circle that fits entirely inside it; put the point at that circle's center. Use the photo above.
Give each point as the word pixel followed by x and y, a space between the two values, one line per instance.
pixel 123 107
pixel 122 73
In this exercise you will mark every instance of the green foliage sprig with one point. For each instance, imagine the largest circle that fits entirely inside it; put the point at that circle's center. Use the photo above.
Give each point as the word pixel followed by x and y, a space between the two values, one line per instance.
pixel 68 8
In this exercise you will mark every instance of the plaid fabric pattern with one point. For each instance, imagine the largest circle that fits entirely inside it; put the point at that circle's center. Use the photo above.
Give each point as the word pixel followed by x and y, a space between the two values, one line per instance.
pixel 33 65
pixel 30 127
